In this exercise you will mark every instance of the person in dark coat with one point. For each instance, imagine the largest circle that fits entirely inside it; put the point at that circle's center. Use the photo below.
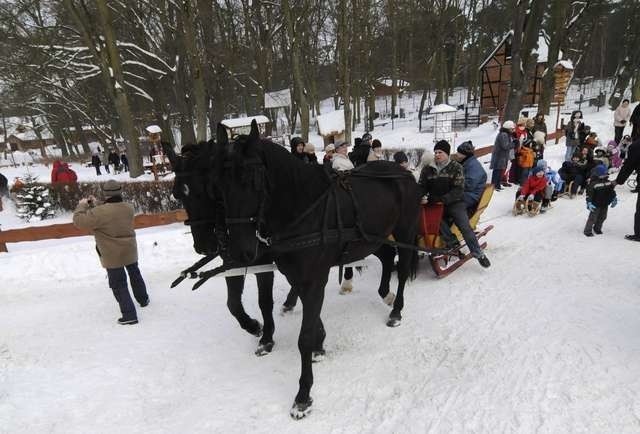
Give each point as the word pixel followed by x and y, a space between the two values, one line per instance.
pixel 95 162
pixel 631 163
pixel 635 121
pixel 361 149
pixel 125 162
pixel 297 148
pixel 475 177
pixel 4 185
pixel 115 160
pixel 539 124
pixel 574 134
pixel 443 182
pixel 600 194
pixel 111 223
pixel 500 156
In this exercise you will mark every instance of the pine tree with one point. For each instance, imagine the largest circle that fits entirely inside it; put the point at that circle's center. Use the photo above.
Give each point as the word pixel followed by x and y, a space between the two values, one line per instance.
pixel 33 201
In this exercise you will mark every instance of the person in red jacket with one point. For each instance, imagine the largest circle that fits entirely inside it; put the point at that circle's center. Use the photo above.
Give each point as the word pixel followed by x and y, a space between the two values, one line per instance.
pixel 62 173
pixel 534 187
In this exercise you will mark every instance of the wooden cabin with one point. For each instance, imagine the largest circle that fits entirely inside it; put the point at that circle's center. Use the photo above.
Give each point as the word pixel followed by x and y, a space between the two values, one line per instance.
pixel 496 77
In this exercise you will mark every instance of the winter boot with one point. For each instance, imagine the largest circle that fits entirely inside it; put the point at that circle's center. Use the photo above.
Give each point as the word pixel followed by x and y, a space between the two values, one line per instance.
pixel 127 321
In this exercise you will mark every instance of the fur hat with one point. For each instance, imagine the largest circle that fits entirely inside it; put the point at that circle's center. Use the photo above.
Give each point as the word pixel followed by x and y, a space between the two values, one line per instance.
pixel 539 137
pixel 530 123
pixel 400 157
pixel 600 171
pixel 466 149
pixel 427 158
pixel 309 148
pixel 509 125
pixel 330 147
pixel 443 146
pixel 111 188
pixel 152 129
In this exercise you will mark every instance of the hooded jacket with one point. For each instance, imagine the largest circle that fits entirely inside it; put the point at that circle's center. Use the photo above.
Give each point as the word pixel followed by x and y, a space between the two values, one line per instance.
pixel 534 185
pixel 475 179
pixel 62 173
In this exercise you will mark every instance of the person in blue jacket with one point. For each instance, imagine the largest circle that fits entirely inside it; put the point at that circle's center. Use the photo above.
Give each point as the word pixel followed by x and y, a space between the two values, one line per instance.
pixel 475 176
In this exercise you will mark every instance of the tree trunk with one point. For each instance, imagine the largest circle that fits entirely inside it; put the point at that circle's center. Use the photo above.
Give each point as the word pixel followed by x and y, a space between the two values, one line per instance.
pixel 343 40
pixel 635 88
pixel 523 42
pixel 295 33
pixel 557 33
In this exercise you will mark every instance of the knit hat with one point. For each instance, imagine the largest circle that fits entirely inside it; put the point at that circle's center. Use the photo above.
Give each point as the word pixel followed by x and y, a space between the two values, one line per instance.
pixel 539 137
pixel 443 146
pixel 400 157
pixel 111 188
pixel 599 171
pixel 537 169
pixel 427 158
pixel 296 141
pixel 366 136
pixel 466 148
pixel 542 163
pixel 509 125
pixel 309 148
pixel 330 147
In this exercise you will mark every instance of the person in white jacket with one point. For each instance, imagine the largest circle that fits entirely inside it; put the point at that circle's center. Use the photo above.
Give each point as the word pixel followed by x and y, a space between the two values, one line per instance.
pixel 621 117
pixel 340 161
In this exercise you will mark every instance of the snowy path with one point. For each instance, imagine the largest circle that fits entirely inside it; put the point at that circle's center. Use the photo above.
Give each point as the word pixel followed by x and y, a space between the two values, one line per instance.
pixel 543 341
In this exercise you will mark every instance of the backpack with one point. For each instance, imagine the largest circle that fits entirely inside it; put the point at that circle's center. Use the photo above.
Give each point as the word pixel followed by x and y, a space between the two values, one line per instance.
pixel 525 157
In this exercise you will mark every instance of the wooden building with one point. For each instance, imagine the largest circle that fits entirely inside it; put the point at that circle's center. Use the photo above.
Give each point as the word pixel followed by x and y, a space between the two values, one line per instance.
pixel 496 77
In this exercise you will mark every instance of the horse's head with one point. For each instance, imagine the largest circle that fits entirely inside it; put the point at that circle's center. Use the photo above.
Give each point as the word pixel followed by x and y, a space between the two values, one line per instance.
pixel 241 176
pixel 193 187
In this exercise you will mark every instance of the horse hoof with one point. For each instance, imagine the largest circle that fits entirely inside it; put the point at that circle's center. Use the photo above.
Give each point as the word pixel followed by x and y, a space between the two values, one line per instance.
pixel 389 299
pixel 286 309
pixel 264 349
pixel 301 409
pixel 256 330
pixel 318 356
pixel 394 322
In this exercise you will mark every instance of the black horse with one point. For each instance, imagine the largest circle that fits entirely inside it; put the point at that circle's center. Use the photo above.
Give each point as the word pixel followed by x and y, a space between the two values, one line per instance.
pixel 193 187
pixel 311 222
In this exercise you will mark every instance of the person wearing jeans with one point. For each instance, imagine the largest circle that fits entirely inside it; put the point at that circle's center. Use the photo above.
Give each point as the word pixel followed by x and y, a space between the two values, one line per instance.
pixel 111 223
pixel 443 182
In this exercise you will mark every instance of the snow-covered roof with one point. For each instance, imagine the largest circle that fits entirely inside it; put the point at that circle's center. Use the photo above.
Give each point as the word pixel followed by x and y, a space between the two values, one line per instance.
pixel 567 64
pixel 442 108
pixel 331 123
pixel 245 122
pixel 495 50
pixel 15 124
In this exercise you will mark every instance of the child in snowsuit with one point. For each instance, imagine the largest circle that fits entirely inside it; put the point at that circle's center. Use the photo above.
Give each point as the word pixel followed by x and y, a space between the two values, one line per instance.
pixel 600 194
pixel 533 190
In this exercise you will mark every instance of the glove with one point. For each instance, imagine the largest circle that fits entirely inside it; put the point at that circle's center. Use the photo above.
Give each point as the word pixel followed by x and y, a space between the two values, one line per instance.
pixel 530 197
pixel 590 206
pixel 614 202
pixel 521 197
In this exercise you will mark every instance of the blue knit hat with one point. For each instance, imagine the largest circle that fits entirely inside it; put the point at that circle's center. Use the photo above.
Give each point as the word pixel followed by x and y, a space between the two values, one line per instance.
pixel 600 171
pixel 537 169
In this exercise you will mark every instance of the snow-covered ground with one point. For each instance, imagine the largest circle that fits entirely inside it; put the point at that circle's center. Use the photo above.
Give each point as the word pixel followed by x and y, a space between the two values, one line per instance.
pixel 543 341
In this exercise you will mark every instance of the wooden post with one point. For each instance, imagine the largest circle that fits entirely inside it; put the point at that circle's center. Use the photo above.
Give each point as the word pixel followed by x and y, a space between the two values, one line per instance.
pixel 557 120
pixel 3 246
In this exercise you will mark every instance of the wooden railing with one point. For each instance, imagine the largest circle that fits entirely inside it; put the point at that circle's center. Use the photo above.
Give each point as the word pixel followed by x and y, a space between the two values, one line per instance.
pixel 66 230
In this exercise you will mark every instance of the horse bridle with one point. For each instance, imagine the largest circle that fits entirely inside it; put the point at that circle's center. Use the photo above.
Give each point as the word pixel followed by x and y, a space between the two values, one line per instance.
pixel 260 181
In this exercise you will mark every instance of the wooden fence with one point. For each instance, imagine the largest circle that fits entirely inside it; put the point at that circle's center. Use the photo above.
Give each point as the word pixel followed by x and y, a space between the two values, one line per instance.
pixel 66 230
